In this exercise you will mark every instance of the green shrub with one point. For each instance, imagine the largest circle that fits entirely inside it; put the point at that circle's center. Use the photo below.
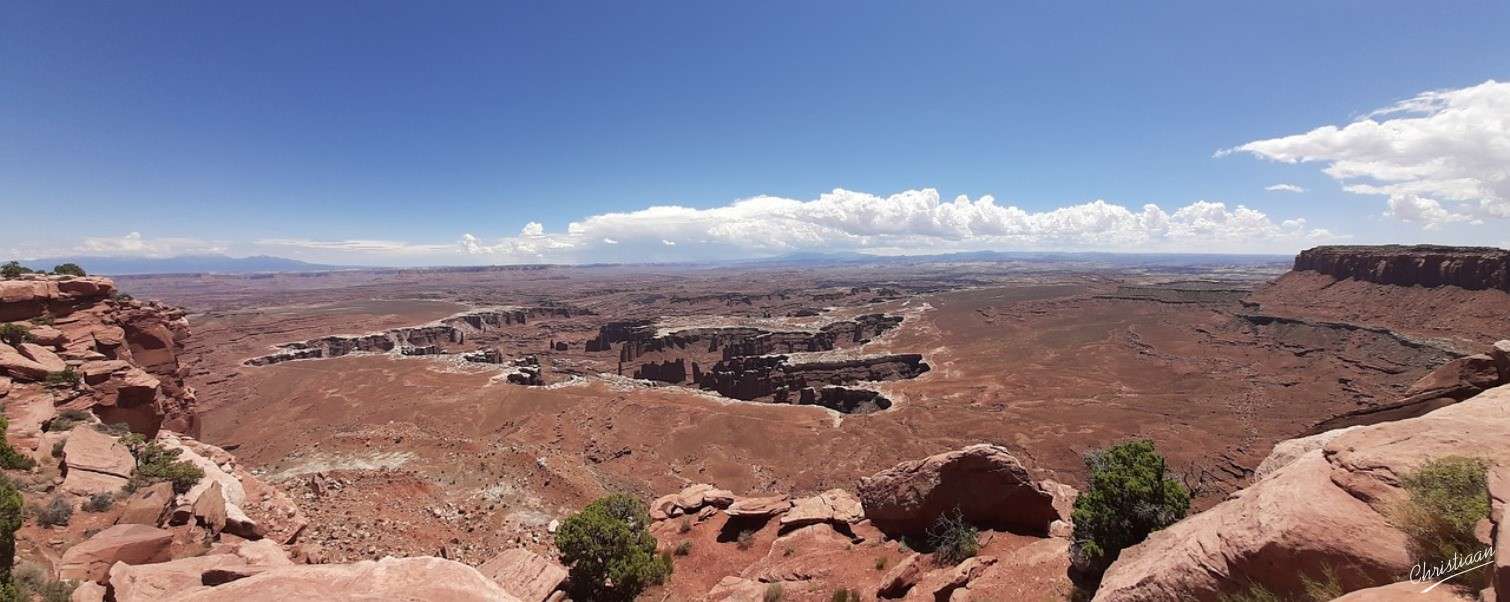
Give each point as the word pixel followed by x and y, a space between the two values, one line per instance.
pixel 67 378
pixel 953 539
pixel 66 420
pixel 11 508
pixel 14 334
pixel 1129 497
pixel 33 583
pixel 881 563
pixel 99 502
pixel 12 269
pixel 1324 589
pixel 684 548
pixel 610 551
pixel 56 513
pixel 68 269
pixel 155 463
pixel 1446 498
pixel 9 457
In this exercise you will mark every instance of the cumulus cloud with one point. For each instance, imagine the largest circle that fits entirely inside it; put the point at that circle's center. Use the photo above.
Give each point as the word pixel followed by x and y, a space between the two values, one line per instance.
pixel 1284 188
pixel 913 221
pixel 1440 157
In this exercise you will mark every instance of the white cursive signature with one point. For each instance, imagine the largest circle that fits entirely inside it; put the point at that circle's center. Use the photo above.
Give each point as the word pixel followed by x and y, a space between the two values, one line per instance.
pixel 1457 565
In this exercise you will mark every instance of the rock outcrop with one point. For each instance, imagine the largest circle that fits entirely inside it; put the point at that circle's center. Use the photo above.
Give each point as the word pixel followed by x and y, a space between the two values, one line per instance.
pixel 130 544
pixel 525 574
pixel 1473 268
pixel 124 352
pixel 1329 507
pixel 984 482
pixel 414 578
pixel 428 339
pixel 94 462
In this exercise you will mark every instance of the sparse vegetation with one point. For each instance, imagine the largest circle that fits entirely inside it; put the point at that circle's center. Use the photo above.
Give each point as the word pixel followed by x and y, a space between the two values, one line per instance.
pixel 881 563
pixel 610 551
pixel 1130 496
pixel 1447 497
pixel 744 540
pixel 10 458
pixel 31 582
pixel 68 269
pixel 772 593
pixel 684 548
pixel 845 595
pixel 56 513
pixel 11 507
pixel 12 269
pixel 155 463
pixel 66 420
pixel 66 378
pixel 1324 589
pixel 953 539
pixel 99 502
pixel 684 526
pixel 14 334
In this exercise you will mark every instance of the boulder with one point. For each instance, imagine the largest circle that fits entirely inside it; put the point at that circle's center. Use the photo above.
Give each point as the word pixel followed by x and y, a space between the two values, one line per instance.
pixel 1327 508
pixel 418 578
pixel 1458 378
pixel 25 299
pixel 18 366
pixel 99 371
pixel 1288 450
pixel 525 574
pixel 940 584
pixel 210 509
pixel 691 497
pixel 88 591
pixel 95 462
pixel 43 356
pixel 91 559
pixel 163 580
pixel 48 336
pixel 751 507
pixel 985 482
pixel 832 506
pixel 1501 354
pixel 88 287
pixel 109 337
pixel 901 578
pixel 1499 497
pixel 665 507
pixel 146 506
pixel 737 589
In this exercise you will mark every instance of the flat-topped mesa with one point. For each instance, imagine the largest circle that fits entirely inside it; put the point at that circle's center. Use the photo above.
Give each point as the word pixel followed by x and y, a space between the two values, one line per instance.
pixel 1473 268
pixel 430 339
pixel 640 339
pixel 783 379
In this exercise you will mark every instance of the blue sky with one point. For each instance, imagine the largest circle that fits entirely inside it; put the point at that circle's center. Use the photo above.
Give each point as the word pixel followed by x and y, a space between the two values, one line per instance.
pixel 429 133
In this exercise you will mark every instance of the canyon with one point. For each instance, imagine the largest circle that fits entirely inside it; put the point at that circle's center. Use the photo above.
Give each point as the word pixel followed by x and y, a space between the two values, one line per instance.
pixel 459 414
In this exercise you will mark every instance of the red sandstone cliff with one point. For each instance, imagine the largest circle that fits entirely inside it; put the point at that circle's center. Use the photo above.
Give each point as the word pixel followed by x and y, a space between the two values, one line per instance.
pixel 1472 268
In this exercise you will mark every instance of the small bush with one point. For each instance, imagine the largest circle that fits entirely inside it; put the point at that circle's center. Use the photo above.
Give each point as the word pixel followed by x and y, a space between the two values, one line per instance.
pixel 953 539
pixel 11 510
pixel 772 593
pixel 56 513
pixel 881 563
pixel 155 463
pixel 1446 498
pixel 57 448
pixel 68 378
pixel 744 540
pixel 10 458
pixel 67 420
pixel 32 582
pixel 684 548
pixel 99 502
pixel 845 595
pixel 68 269
pixel 43 320
pixel 684 527
pixel 14 334
pixel 12 269
pixel 610 551
pixel 1129 497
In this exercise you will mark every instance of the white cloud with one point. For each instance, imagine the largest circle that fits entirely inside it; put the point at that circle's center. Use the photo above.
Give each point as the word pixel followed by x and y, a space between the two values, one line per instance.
pixel 532 229
pixel 1284 188
pixel 364 247
pixel 135 245
pixel 913 221
pixel 1439 157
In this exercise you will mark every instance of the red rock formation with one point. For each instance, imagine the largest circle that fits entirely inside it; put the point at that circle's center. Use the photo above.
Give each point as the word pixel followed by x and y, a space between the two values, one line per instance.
pixel 1473 268
pixel 985 483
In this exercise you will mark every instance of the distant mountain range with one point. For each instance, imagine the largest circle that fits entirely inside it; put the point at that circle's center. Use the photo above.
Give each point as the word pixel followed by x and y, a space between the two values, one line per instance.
pixel 183 264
